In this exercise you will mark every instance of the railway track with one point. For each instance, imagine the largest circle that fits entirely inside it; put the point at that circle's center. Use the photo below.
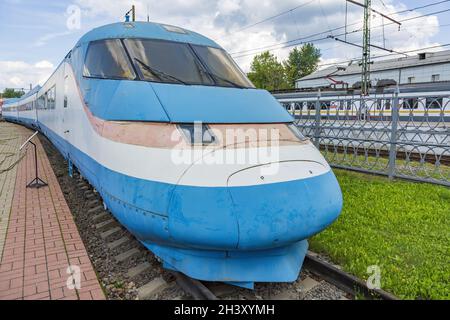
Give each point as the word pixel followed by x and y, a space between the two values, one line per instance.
pixel 127 270
pixel 401 155
pixel 326 271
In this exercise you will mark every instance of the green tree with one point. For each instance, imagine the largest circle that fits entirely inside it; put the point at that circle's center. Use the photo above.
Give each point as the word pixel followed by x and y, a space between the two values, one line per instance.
pixel 301 62
pixel 11 93
pixel 267 73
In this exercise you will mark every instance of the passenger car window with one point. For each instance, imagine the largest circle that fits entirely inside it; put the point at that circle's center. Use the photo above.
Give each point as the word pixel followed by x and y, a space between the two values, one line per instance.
pixel 107 59
pixel 51 98
pixel 41 103
pixel 411 103
pixel 434 103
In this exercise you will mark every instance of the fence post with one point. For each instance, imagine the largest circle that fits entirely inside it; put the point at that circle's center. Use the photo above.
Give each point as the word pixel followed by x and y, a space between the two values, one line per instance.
pixel 393 140
pixel 317 122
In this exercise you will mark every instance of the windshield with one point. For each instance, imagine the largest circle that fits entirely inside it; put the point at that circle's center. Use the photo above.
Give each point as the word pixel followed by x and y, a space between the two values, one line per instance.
pixel 222 67
pixel 163 61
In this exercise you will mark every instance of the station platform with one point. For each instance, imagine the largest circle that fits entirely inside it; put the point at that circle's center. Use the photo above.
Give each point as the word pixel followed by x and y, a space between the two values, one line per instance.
pixel 39 241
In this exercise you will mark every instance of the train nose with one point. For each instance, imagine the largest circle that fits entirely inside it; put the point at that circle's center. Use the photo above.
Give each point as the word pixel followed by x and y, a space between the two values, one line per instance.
pixel 259 207
pixel 271 213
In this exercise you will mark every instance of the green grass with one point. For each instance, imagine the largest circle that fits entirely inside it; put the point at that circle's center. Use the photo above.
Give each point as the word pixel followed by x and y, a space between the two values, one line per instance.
pixel 403 227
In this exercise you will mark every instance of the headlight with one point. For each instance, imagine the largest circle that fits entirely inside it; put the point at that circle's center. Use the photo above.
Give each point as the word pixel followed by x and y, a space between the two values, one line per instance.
pixel 294 129
pixel 197 134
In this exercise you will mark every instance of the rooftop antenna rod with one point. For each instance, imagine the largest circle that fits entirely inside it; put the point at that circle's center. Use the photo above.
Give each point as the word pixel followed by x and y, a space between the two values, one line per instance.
pixel 148 13
pixel 133 14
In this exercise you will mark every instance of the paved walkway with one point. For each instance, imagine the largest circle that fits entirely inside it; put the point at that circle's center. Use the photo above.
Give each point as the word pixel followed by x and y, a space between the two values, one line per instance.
pixel 42 241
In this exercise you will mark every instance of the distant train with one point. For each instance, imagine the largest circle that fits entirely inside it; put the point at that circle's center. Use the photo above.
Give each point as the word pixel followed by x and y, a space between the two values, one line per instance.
pixel 416 101
pixel 130 96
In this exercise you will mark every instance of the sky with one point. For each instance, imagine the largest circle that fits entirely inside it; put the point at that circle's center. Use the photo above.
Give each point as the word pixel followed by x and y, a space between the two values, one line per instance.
pixel 36 35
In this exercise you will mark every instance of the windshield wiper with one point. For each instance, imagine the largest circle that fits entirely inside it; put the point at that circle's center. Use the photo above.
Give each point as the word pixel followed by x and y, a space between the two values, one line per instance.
pixel 159 73
pixel 234 84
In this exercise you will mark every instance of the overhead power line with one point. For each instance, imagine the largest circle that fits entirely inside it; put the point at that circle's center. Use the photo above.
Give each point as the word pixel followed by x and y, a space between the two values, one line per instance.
pixel 376 11
pixel 267 19
pixel 421 7
pixel 330 31
pixel 384 5
pixel 360 46
pixel 384 55
pixel 299 41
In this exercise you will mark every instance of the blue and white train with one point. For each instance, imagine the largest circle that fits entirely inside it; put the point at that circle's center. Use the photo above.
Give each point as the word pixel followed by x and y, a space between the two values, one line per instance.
pixel 131 95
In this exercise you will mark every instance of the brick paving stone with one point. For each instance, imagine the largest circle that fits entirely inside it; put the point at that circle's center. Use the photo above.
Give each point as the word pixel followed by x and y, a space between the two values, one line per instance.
pixel 38 236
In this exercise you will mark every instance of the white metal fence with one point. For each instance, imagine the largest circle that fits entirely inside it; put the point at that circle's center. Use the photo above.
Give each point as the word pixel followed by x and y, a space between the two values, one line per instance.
pixel 406 137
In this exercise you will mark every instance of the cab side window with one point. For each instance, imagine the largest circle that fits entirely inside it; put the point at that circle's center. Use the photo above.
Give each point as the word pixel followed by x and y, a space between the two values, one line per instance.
pixel 107 60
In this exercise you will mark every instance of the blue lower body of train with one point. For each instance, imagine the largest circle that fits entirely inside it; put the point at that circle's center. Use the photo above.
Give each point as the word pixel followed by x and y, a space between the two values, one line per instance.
pixel 202 233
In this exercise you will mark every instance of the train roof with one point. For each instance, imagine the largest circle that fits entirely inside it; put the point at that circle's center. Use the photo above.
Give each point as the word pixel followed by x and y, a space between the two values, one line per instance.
pixel 24 97
pixel 10 101
pixel 31 92
pixel 146 30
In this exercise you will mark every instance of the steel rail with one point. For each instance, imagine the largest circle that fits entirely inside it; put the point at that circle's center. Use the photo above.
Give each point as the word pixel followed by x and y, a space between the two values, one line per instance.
pixel 194 287
pixel 343 280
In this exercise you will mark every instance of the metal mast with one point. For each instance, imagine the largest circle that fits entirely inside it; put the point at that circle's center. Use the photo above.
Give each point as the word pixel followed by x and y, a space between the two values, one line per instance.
pixel 366 62
pixel 365 74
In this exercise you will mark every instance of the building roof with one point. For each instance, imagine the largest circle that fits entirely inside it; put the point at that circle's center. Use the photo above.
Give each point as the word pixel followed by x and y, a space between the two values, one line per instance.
pixel 146 30
pixel 420 59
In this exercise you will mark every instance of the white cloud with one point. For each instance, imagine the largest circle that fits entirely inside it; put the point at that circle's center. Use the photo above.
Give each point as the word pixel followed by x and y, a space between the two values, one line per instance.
pixel 44 65
pixel 19 74
pixel 16 81
pixel 42 41
pixel 221 19
pixel 228 6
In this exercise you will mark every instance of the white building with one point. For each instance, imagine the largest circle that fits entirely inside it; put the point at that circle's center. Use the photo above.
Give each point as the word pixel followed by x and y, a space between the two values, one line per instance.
pixel 421 68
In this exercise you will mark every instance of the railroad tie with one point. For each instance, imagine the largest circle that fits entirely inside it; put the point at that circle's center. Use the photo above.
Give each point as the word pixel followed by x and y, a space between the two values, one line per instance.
pixel 105 224
pixel 115 244
pixel 100 216
pixel 308 284
pixel 133 272
pixel 127 254
pixel 108 233
pixel 92 203
pixel 95 210
pixel 221 289
pixel 285 295
pixel 89 194
pixel 152 288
